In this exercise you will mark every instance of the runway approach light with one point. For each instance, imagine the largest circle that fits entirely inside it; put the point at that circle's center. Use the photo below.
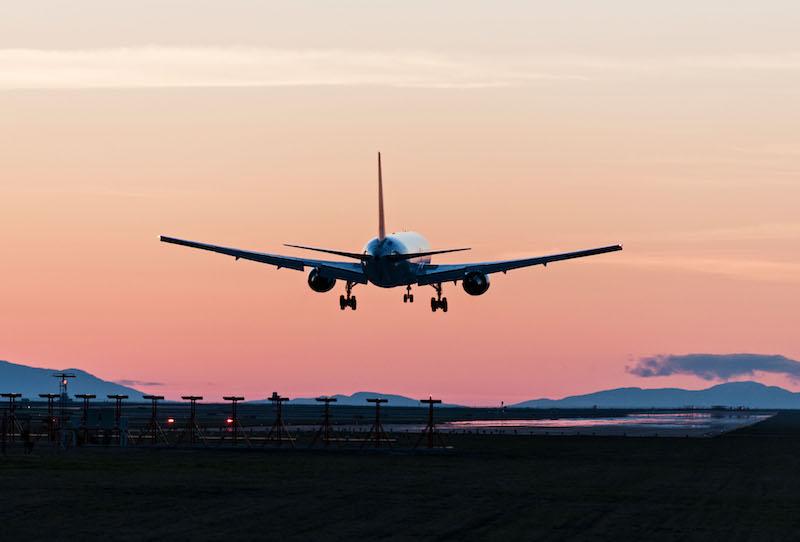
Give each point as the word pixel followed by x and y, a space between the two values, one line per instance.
pixel 229 421
pixel 170 420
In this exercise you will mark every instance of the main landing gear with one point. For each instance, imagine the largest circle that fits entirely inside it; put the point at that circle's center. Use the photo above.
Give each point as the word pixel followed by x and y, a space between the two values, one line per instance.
pixel 438 302
pixel 408 297
pixel 349 301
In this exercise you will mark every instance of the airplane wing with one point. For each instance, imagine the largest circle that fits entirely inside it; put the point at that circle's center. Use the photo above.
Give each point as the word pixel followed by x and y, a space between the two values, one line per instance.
pixel 329 269
pixel 431 273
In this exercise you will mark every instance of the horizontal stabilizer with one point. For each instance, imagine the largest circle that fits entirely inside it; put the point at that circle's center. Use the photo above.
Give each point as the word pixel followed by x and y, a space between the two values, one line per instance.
pixel 355 255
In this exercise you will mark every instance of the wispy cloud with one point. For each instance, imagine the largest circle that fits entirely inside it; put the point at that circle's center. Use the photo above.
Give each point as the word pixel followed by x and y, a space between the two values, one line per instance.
pixel 154 67
pixel 127 382
pixel 767 231
pixel 753 232
pixel 149 67
pixel 716 366
pixel 735 268
pixel 777 61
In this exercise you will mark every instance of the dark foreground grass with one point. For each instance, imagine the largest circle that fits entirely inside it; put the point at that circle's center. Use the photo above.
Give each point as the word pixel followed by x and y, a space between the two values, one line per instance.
pixel 745 486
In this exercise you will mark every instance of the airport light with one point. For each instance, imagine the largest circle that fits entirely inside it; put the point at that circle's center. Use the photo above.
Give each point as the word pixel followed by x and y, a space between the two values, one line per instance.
pixel 324 430
pixel 278 428
pixel 86 397
pixel 232 421
pixel 62 383
pixel 118 398
pixel 377 427
pixel 430 429
pixel 51 419
pixel 192 428
pixel 11 417
pixel 153 427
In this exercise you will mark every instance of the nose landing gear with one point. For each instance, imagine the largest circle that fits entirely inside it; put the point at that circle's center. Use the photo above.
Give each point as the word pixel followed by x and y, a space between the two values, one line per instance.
pixel 438 302
pixel 408 297
pixel 349 301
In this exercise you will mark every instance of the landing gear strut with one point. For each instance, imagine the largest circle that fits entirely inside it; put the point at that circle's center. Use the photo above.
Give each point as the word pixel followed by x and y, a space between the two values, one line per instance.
pixel 349 301
pixel 408 297
pixel 438 302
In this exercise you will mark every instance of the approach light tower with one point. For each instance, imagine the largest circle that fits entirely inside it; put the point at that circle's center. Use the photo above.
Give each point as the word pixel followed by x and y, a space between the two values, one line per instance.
pixel 63 380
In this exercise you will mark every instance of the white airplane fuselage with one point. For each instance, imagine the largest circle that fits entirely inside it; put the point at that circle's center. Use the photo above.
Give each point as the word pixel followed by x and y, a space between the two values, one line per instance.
pixel 386 273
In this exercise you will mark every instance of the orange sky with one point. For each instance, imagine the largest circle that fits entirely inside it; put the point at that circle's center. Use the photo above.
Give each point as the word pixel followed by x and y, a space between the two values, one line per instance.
pixel 673 130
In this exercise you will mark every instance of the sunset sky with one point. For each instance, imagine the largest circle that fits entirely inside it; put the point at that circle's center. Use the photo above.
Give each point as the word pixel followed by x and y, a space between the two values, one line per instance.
pixel 516 128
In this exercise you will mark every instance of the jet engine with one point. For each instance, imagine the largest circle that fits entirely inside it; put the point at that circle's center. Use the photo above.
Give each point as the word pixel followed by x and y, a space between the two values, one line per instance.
pixel 318 283
pixel 475 283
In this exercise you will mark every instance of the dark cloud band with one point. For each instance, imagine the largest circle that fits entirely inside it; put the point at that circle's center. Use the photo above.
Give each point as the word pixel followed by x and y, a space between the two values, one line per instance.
pixel 716 366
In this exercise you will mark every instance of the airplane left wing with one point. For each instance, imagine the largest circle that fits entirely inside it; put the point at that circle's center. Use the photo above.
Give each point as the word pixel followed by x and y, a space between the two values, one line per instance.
pixel 431 273
pixel 352 272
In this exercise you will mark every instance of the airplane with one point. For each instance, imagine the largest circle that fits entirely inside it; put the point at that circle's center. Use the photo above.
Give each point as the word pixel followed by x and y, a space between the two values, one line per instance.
pixel 401 259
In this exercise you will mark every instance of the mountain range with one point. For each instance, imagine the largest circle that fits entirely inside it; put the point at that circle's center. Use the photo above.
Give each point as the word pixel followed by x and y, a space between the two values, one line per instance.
pixel 31 381
pixel 360 399
pixel 729 394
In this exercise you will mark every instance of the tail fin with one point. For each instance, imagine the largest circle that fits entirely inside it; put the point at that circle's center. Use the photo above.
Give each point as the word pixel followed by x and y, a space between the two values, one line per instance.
pixel 381 219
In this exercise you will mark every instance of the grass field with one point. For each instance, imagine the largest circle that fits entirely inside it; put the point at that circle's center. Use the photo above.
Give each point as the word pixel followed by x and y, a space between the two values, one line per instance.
pixel 742 486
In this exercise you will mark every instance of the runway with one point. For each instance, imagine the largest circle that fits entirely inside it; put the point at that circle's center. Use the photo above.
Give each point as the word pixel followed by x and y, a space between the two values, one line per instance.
pixel 741 485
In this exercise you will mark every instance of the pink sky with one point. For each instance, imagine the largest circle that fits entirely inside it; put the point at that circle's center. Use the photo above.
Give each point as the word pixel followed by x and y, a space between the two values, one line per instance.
pixel 685 148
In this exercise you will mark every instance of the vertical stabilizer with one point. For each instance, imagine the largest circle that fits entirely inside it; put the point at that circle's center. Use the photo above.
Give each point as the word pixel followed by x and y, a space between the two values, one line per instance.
pixel 381 219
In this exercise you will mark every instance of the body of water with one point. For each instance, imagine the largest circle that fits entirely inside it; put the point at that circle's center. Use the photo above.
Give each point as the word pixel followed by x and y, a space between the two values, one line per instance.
pixel 641 424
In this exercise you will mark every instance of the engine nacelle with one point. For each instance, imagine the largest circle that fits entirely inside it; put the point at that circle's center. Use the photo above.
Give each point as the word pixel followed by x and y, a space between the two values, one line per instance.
pixel 475 283
pixel 319 283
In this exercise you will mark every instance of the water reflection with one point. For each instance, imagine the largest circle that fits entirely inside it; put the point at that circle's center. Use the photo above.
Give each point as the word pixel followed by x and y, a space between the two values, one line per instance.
pixel 669 422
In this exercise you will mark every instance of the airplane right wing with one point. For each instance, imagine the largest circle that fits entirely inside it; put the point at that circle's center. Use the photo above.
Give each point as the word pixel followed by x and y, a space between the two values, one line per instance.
pixel 352 272
pixel 432 273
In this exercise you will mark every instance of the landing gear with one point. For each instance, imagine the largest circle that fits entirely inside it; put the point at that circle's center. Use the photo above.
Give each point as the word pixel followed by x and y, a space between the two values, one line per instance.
pixel 438 302
pixel 349 301
pixel 408 297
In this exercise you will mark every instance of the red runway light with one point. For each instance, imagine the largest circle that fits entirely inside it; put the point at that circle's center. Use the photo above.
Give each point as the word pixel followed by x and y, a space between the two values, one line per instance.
pixel 170 420
pixel 229 421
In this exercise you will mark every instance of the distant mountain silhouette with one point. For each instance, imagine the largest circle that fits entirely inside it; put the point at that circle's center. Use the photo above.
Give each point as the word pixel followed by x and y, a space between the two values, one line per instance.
pixel 31 381
pixel 730 394
pixel 359 399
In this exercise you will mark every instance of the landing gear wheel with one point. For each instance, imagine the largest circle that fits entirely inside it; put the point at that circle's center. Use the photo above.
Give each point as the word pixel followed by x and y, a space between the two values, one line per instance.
pixel 438 302
pixel 347 300
pixel 408 297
